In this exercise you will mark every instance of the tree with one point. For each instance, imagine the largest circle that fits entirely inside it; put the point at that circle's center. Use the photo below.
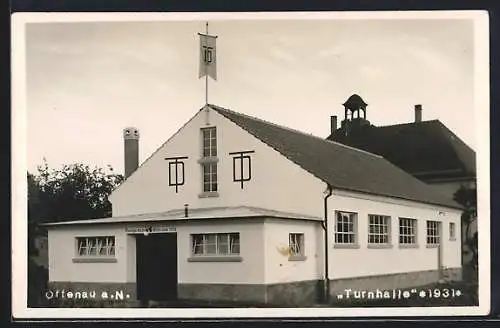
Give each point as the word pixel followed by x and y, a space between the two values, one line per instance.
pixel 75 191
pixel 467 197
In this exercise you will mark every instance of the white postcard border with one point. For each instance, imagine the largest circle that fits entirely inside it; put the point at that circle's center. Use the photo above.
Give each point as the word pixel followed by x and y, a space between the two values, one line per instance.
pixel 19 168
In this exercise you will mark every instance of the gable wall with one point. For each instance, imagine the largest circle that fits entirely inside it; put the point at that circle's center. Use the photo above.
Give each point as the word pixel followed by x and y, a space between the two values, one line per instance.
pixel 276 183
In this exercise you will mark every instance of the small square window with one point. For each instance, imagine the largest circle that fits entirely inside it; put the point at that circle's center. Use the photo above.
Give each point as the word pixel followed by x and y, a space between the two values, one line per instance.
pixel 296 244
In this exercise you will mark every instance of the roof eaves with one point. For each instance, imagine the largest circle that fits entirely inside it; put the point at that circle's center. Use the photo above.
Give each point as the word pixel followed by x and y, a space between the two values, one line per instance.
pixel 222 111
pixel 457 206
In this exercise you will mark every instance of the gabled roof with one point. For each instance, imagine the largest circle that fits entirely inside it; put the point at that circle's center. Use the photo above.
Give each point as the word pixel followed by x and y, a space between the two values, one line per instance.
pixel 428 150
pixel 340 166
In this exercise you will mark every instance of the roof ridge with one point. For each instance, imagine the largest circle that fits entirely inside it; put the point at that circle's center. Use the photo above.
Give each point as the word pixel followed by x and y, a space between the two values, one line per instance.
pixel 408 123
pixel 293 130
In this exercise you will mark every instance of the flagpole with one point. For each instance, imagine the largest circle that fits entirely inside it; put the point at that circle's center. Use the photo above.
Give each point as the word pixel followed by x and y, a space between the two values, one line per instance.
pixel 206 75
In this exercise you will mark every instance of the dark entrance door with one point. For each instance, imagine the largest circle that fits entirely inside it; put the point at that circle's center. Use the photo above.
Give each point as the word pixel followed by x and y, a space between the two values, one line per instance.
pixel 156 258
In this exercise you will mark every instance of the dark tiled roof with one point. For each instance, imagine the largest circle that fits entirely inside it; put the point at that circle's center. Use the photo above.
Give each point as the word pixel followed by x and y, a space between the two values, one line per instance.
pixel 427 150
pixel 341 166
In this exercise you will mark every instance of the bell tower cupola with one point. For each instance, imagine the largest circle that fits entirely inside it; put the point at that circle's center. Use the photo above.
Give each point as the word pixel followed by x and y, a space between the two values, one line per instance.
pixel 354 114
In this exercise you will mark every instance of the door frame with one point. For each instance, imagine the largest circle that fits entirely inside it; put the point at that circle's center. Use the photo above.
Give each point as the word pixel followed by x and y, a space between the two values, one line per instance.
pixel 138 235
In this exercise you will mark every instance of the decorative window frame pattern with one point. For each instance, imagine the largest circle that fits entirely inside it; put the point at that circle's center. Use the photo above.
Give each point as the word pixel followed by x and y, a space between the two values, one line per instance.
pixel 242 156
pixel 176 162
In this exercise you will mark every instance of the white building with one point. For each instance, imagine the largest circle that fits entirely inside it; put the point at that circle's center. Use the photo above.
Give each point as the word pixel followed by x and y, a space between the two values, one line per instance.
pixel 234 208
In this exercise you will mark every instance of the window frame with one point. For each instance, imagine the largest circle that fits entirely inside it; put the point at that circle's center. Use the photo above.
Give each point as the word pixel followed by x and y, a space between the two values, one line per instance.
pixel 217 243
pixel 433 240
pixel 412 232
pixel 212 142
pixel 97 243
pixel 384 225
pixel 209 162
pixel 452 228
pixel 210 170
pixel 354 233
pixel 296 240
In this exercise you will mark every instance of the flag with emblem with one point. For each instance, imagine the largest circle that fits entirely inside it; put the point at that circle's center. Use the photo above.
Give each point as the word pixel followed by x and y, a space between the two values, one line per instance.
pixel 208 58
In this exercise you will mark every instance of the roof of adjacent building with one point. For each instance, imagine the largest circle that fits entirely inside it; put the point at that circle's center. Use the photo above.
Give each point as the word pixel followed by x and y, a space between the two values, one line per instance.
pixel 340 166
pixel 193 214
pixel 428 149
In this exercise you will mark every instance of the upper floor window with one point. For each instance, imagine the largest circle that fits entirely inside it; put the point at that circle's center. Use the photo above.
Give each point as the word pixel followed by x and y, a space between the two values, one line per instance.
pixel 407 231
pixel 379 228
pixel 96 246
pixel 209 137
pixel 345 228
pixel 210 177
pixel 433 232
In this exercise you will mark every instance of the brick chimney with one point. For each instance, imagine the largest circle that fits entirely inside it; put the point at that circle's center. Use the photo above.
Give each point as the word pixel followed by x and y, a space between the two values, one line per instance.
pixel 418 113
pixel 131 150
pixel 333 123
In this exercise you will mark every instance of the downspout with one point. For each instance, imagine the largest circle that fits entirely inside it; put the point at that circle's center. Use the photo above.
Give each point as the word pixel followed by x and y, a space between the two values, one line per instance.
pixel 324 224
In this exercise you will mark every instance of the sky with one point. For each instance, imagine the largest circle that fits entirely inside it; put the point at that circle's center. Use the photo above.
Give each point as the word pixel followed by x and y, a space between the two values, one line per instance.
pixel 86 81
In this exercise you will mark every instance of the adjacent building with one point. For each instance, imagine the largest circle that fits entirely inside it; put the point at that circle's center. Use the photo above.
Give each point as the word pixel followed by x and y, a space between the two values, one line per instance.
pixel 427 150
pixel 235 208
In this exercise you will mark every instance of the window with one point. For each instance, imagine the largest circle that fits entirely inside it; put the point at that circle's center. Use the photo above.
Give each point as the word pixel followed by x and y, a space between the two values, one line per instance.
pixel 452 231
pixel 345 228
pixel 296 244
pixel 96 246
pixel 215 244
pixel 433 236
pixel 379 229
pixel 210 177
pixel 209 160
pixel 209 136
pixel 407 231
